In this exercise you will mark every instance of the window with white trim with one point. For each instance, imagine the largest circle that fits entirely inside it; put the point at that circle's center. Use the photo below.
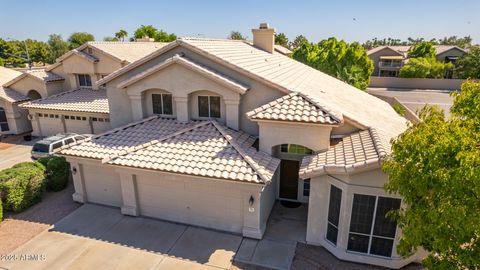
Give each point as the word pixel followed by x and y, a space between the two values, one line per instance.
pixel 371 232
pixel 162 104
pixel 84 80
pixel 333 214
pixel 209 106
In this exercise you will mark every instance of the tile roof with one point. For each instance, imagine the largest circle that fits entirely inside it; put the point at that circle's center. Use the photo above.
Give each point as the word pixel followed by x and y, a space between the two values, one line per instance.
pixel 294 107
pixel 79 100
pixel 288 75
pixel 202 148
pixel 127 51
pixel 10 95
pixel 212 74
pixel 358 150
pixel 45 75
pixel 282 50
pixel 402 49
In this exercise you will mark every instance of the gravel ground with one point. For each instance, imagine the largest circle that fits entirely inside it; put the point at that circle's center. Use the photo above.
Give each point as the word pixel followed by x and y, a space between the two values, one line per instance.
pixel 315 257
pixel 17 229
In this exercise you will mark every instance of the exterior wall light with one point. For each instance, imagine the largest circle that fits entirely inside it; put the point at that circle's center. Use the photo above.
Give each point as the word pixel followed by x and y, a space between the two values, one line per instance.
pixel 74 170
pixel 251 209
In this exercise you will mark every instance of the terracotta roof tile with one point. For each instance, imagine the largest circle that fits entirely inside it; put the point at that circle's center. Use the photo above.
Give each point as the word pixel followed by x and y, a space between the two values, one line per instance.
pixel 45 75
pixel 79 100
pixel 293 107
pixel 10 95
pixel 361 149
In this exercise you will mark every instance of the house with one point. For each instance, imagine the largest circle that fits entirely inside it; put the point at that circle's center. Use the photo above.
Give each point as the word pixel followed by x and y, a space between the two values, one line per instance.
pixel 11 116
pixel 388 60
pixel 212 132
pixel 62 97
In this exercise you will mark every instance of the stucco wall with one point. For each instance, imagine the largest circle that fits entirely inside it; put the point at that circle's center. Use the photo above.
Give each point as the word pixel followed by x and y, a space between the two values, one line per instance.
pixel 368 183
pixel 453 52
pixel 315 137
pixel 267 198
pixel 376 58
pixel 258 94
pixel 28 83
pixel 78 65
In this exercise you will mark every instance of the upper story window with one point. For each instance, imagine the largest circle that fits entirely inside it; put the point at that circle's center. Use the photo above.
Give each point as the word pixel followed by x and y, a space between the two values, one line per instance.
pixel 371 232
pixel 295 149
pixel 162 104
pixel 84 80
pixel 209 106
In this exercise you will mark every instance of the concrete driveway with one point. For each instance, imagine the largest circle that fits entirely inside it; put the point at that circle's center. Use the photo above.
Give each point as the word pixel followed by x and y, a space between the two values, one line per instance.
pixel 12 154
pixel 98 237
pixel 416 99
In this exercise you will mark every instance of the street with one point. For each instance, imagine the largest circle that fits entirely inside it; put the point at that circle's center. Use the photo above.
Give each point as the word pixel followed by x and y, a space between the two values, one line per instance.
pixel 416 99
pixel 11 154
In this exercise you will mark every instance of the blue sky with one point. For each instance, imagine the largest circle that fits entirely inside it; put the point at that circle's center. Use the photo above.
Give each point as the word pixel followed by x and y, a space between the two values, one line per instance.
pixel 214 18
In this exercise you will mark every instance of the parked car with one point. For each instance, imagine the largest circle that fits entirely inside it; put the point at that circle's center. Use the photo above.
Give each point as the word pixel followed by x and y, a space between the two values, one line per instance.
pixel 45 147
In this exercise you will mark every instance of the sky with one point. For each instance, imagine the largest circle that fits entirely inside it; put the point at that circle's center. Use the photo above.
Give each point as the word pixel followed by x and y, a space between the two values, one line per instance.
pixel 350 20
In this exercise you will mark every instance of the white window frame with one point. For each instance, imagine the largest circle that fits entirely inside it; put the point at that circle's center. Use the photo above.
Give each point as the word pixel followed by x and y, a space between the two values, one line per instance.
pixel 161 103
pixel 79 81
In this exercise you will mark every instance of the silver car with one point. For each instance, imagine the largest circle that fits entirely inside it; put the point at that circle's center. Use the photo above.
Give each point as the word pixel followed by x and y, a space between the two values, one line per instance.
pixel 45 147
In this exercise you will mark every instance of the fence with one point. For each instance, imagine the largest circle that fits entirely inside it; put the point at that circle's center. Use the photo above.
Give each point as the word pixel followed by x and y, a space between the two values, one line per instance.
pixel 415 83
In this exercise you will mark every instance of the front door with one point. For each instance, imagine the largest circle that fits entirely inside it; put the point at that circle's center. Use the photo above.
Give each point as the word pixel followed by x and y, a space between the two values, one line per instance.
pixel 289 179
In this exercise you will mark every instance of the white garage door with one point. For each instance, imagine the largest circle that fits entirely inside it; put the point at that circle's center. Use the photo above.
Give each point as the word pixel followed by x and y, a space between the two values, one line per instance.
pixel 78 126
pixel 206 203
pixel 50 126
pixel 102 185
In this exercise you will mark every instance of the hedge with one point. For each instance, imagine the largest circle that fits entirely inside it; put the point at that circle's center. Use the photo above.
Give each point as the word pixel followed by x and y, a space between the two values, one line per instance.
pixel 22 185
pixel 57 173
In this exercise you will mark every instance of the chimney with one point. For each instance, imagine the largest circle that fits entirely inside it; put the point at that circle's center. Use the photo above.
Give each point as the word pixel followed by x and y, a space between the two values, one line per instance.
pixel 145 39
pixel 264 38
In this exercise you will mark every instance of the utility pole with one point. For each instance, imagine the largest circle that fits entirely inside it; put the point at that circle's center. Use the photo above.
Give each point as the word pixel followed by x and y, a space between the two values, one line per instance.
pixel 26 50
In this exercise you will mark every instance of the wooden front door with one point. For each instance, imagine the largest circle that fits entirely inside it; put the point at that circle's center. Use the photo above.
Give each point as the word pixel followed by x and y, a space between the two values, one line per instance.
pixel 289 179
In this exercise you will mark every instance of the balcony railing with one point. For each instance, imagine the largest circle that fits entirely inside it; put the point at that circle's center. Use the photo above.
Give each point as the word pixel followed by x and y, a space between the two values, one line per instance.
pixel 390 64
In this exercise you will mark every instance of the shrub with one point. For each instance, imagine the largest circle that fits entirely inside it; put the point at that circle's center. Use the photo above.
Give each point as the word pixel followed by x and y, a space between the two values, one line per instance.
pixel 399 109
pixel 58 173
pixel 22 185
pixel 44 161
pixel 424 68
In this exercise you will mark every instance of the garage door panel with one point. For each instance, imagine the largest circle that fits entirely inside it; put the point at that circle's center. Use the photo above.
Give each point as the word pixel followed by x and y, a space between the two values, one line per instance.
pixel 50 126
pixel 102 186
pixel 178 199
pixel 78 126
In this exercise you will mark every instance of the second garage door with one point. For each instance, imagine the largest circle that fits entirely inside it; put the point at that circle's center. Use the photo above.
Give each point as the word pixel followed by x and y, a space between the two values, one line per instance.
pixel 102 185
pixel 207 203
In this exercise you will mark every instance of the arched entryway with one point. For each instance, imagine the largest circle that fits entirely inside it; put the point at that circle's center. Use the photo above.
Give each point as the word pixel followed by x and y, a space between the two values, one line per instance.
pixel 290 187
pixel 3 120
pixel 33 95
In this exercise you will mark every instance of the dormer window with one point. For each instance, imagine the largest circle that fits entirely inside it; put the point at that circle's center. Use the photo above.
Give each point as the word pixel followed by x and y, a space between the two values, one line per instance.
pixel 209 106
pixel 162 104
pixel 84 80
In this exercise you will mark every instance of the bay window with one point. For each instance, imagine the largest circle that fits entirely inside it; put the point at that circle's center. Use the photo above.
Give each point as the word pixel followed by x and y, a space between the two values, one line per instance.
pixel 371 232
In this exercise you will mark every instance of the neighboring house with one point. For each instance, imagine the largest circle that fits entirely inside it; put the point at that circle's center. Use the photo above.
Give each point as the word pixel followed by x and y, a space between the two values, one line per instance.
pixel 211 132
pixel 63 97
pixel 388 60
pixel 12 118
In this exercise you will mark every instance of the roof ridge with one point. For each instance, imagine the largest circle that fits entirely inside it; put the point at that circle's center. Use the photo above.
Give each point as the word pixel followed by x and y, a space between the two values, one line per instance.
pixel 377 142
pixel 237 147
pixel 271 103
pixel 321 107
pixel 152 142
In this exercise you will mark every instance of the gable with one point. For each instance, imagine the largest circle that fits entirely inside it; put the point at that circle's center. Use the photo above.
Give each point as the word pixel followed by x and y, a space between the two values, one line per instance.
pixel 77 64
pixel 387 51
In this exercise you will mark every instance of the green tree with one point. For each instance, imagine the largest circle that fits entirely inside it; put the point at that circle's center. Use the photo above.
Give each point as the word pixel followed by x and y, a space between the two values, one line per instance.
pixel 121 35
pixel 347 62
pixel 152 32
pixel 424 68
pixel 236 35
pixel 281 40
pixel 110 39
pixel 468 66
pixel 422 49
pixel 39 51
pixel 12 53
pixel 77 39
pixel 298 41
pixel 435 166
pixel 58 47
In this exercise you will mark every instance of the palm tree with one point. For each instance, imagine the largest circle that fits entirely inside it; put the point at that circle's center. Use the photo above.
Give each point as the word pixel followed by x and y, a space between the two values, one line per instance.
pixel 121 35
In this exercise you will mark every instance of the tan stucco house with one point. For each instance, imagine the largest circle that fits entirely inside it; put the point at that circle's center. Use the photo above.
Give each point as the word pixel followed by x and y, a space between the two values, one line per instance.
pixel 212 132
pixel 63 97
pixel 388 60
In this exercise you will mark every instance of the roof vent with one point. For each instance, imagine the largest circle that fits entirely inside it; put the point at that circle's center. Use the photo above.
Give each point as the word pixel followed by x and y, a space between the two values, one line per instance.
pixel 264 38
